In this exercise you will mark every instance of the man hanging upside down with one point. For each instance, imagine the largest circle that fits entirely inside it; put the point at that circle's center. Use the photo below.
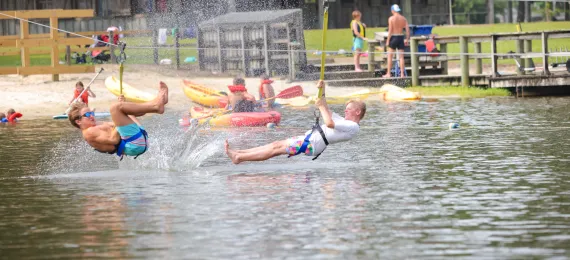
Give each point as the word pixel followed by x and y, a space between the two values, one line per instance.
pixel 335 130
pixel 125 135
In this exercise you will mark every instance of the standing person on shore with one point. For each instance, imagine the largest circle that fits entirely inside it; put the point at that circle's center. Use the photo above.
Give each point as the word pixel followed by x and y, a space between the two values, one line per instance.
pixel 396 41
pixel 359 36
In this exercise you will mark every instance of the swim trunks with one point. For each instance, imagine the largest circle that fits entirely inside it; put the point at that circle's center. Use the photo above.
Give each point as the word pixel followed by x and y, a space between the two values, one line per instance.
pixel 134 147
pixel 357 44
pixel 295 143
pixel 397 42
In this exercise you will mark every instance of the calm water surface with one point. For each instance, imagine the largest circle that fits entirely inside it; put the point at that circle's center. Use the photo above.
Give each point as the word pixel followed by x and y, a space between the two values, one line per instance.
pixel 406 187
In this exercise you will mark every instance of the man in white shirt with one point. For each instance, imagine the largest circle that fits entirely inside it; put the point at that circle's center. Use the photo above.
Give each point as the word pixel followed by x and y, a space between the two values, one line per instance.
pixel 334 130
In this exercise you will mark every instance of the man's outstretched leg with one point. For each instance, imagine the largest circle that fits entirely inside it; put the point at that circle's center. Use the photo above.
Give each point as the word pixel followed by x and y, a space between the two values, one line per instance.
pixel 261 153
pixel 120 111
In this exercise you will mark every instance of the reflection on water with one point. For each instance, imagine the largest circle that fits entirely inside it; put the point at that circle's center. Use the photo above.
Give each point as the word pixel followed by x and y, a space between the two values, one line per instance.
pixel 407 187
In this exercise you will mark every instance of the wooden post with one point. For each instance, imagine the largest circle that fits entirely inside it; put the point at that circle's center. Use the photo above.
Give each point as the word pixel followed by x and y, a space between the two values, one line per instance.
pixel 545 53
pixel 54 35
pixel 155 45
pixel 444 64
pixel 520 50
pixel 112 47
pixel 464 61
pixel 177 46
pixel 242 38
pixel 371 50
pixel 265 51
pixel 478 60
pixel 219 42
pixel 494 72
pixel 25 51
pixel 415 63
pixel 528 49
pixel 68 52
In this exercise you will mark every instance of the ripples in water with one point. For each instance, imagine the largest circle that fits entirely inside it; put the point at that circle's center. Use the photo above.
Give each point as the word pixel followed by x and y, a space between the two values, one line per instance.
pixel 406 187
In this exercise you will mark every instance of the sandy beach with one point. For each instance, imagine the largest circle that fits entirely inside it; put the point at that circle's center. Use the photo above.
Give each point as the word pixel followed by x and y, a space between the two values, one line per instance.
pixel 37 96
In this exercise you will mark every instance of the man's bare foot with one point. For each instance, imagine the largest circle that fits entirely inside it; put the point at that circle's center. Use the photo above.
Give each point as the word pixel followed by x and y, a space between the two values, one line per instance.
pixel 164 88
pixel 233 155
pixel 358 70
pixel 387 76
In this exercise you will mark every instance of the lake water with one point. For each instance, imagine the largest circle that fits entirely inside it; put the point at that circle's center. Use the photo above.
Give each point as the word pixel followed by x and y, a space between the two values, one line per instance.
pixel 406 187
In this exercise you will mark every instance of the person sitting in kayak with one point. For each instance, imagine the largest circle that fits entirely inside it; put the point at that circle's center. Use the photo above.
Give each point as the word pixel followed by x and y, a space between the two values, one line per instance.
pixel 239 99
pixel 335 130
pixel 85 96
pixel 3 118
pixel 123 136
pixel 266 91
pixel 11 116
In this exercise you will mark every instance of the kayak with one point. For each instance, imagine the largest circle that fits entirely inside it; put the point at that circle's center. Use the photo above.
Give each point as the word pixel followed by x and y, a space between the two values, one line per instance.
pixel 232 119
pixel 97 115
pixel 204 96
pixel 394 93
pixel 131 94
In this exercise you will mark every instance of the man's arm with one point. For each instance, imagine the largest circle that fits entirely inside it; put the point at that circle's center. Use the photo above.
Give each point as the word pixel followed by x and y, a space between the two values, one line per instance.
pixel 321 103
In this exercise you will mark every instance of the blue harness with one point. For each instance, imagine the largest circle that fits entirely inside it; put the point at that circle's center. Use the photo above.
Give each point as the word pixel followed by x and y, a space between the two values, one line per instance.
pixel 306 142
pixel 120 147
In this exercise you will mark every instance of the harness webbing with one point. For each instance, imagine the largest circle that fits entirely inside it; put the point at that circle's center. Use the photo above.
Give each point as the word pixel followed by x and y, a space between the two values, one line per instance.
pixel 123 143
pixel 306 142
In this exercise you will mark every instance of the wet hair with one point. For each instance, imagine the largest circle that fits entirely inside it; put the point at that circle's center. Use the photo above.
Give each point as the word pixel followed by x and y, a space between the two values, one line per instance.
pixel 360 105
pixel 10 111
pixel 355 14
pixel 264 77
pixel 79 83
pixel 2 115
pixel 239 81
pixel 75 113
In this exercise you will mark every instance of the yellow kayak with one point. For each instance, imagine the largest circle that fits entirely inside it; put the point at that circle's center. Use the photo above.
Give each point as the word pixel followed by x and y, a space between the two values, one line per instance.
pixel 131 94
pixel 308 100
pixel 204 96
pixel 395 93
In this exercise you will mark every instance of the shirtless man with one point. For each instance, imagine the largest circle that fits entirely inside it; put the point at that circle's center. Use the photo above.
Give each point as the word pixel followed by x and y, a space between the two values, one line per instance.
pixel 396 25
pixel 125 135
pixel 334 130
pixel 239 99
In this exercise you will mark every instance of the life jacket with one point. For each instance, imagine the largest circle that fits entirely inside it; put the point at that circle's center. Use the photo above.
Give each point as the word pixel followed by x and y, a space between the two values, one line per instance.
pixel 360 28
pixel 13 118
pixel 84 96
pixel 262 94
pixel 237 88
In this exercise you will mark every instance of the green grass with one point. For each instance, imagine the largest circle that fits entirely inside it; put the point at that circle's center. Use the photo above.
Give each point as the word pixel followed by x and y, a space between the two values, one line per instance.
pixel 464 92
pixel 336 39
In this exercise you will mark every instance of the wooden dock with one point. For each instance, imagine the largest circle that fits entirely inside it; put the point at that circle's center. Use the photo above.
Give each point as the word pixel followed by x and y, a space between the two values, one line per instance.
pixel 438 74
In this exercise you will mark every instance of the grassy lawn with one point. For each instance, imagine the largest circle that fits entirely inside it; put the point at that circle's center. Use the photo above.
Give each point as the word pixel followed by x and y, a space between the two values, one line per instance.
pixel 336 39
pixel 472 92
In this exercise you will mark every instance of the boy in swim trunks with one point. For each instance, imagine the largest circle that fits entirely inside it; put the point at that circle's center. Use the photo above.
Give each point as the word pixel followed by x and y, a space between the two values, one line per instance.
pixel 359 36
pixel 396 25
pixel 334 130
pixel 123 136
pixel 239 99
